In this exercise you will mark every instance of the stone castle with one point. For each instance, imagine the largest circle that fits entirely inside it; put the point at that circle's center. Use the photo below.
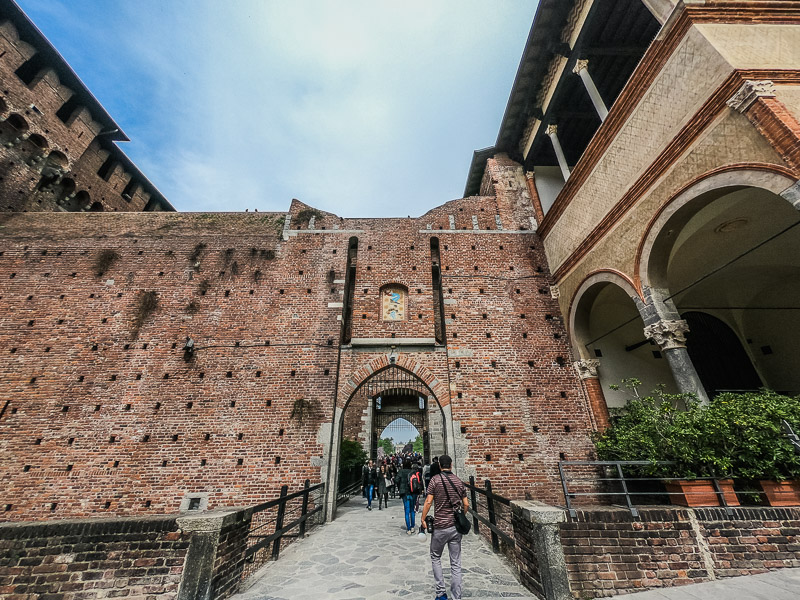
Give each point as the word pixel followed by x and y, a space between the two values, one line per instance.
pixel 635 218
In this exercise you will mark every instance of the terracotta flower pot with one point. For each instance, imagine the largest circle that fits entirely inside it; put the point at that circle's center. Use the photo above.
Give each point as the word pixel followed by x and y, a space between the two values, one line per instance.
pixel 700 492
pixel 782 493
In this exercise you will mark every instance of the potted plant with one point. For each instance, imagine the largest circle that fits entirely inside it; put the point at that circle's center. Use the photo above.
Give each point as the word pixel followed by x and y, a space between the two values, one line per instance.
pixel 745 432
pixel 735 434
pixel 667 427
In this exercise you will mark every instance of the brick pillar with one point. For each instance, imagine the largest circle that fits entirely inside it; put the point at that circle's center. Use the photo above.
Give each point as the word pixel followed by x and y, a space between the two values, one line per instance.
pixel 756 100
pixel 587 371
pixel 537 203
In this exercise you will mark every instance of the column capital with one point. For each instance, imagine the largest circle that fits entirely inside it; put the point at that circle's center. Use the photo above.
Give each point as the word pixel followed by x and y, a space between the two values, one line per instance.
pixel 668 334
pixel 552 130
pixel 751 91
pixel 587 369
pixel 581 65
pixel 529 175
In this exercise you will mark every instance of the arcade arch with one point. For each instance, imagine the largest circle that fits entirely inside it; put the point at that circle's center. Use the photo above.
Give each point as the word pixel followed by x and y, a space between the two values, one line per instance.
pixel 722 260
pixel 727 260
pixel 608 334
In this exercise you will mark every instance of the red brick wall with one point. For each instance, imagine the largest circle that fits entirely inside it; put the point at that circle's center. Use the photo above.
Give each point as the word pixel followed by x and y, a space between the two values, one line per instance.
pixel 101 419
pixel 608 551
pixel 83 560
pixel 22 161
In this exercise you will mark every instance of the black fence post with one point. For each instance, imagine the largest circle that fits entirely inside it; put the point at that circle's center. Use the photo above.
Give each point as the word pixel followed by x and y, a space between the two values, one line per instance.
pixel 304 510
pixel 276 545
pixel 474 503
pixel 492 518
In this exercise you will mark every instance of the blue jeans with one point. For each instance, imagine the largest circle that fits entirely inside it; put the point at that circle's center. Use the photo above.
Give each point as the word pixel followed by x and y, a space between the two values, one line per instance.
pixel 370 490
pixel 408 505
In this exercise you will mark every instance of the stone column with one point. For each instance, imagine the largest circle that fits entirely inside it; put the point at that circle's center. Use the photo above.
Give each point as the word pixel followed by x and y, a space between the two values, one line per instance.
pixel 670 335
pixel 582 69
pixel 552 133
pixel 199 569
pixel 588 372
pixel 540 554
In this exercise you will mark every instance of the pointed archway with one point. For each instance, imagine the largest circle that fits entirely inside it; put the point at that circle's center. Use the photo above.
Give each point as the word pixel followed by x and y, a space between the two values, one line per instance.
pixel 391 391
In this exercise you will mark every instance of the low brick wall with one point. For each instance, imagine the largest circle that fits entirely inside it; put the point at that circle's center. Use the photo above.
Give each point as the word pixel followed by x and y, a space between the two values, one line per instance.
pixel 187 557
pixel 605 551
pixel 84 559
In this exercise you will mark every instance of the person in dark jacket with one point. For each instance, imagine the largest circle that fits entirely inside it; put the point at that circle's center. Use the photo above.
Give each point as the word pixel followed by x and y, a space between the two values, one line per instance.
pixel 383 486
pixel 369 483
pixel 404 489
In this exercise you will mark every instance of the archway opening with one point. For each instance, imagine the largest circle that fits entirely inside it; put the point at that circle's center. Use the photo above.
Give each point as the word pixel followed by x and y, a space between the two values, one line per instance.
pixel 608 328
pixel 399 436
pixel 729 261
pixel 392 400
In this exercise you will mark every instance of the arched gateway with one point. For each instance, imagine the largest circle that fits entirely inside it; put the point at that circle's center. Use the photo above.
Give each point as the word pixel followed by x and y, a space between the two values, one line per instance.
pixel 390 393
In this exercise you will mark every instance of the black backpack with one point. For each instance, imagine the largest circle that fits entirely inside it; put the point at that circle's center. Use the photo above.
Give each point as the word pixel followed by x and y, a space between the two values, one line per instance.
pixel 415 483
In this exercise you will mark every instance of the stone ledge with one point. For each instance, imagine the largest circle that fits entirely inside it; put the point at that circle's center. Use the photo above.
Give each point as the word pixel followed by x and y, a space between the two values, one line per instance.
pixel 393 342
pixel 538 512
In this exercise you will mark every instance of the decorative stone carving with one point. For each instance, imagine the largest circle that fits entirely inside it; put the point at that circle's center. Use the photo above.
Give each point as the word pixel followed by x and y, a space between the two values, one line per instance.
pixel 552 130
pixel 555 293
pixel 580 66
pixel 587 369
pixel 668 334
pixel 751 91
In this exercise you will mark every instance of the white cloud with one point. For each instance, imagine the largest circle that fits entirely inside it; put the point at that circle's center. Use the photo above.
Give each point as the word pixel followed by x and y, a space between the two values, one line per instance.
pixel 361 108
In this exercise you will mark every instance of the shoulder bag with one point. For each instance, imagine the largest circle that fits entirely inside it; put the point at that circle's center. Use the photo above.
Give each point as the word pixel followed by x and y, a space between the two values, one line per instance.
pixel 462 523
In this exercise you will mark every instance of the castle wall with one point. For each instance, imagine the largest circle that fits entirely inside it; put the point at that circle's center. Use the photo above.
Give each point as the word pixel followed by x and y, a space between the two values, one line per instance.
pixel 51 148
pixel 103 415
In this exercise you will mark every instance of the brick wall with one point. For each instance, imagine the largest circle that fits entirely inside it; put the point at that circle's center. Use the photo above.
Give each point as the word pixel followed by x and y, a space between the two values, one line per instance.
pixel 51 147
pixel 606 551
pixel 229 560
pixel 101 414
pixel 141 557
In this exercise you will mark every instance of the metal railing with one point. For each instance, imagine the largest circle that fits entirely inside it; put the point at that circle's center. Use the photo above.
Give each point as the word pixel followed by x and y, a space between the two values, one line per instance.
pixel 494 512
pixel 790 435
pixel 350 481
pixel 272 515
pixel 609 474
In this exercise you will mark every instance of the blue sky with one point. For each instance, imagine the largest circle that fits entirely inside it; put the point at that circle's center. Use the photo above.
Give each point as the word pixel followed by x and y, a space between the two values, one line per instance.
pixel 360 108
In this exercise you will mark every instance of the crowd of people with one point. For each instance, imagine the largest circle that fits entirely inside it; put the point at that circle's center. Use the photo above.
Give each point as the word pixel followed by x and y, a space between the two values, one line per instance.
pixel 394 476
pixel 405 475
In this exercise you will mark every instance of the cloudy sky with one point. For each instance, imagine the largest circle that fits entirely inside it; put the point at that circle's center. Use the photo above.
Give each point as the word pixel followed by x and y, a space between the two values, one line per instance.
pixel 362 108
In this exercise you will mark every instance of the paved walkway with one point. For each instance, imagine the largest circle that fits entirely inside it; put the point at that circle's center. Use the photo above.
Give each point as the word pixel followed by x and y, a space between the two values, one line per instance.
pixel 365 555
pixel 778 585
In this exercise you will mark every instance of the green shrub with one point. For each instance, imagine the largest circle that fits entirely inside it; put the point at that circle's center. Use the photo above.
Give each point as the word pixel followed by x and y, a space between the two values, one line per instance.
pixel 736 435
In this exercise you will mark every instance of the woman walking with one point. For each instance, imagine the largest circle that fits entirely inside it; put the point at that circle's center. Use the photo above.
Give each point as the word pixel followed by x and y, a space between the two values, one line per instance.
pixel 383 486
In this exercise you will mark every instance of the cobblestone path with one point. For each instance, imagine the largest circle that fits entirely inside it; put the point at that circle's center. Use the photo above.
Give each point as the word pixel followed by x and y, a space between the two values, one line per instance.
pixel 365 555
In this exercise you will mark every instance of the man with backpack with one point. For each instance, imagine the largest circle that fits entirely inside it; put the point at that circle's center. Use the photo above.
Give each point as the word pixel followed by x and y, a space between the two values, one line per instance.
pixel 369 481
pixel 405 489
pixel 447 494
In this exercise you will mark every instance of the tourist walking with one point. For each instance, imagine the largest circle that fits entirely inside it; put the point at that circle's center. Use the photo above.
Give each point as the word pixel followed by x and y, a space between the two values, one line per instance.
pixel 403 481
pixel 392 475
pixel 383 486
pixel 370 480
pixel 445 492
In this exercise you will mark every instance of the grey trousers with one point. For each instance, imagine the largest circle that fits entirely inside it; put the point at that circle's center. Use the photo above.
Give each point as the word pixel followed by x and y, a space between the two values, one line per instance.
pixel 452 539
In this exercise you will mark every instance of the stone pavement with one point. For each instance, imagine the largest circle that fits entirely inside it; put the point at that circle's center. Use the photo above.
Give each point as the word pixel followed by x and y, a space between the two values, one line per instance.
pixel 366 555
pixel 777 585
